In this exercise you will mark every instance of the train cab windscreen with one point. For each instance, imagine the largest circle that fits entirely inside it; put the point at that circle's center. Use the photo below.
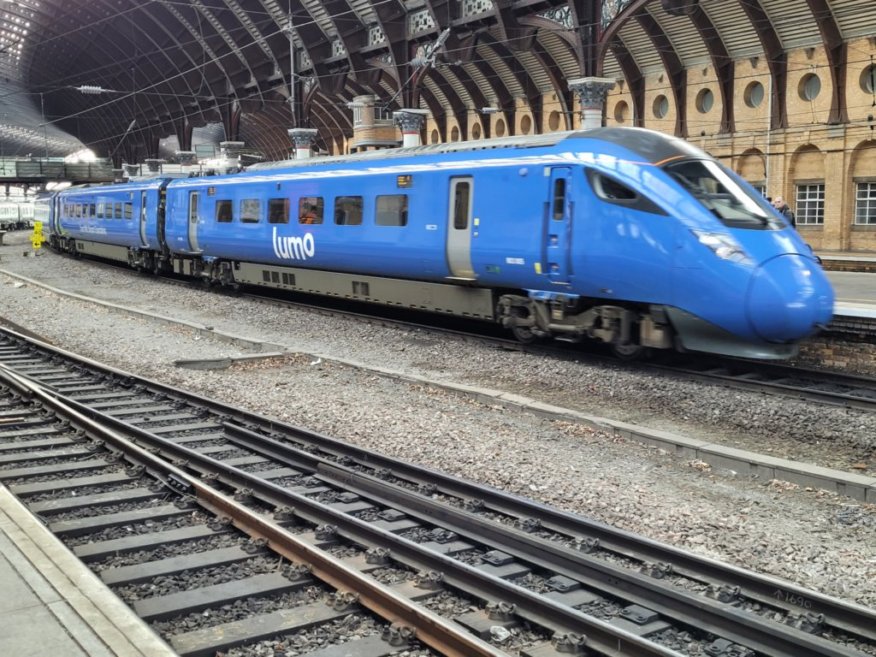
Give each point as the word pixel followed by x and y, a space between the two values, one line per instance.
pixel 712 186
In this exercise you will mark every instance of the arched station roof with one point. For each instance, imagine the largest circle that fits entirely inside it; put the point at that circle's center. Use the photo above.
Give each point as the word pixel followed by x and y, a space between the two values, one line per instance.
pixel 120 76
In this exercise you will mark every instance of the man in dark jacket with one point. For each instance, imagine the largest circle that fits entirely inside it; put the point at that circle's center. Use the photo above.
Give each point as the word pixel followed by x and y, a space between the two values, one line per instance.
pixel 784 210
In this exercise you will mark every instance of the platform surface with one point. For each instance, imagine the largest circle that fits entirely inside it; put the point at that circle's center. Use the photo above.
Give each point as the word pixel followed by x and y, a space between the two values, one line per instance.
pixel 855 294
pixel 51 604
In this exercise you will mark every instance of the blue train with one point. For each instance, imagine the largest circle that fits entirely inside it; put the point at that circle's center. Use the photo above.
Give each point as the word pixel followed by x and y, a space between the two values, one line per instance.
pixel 622 235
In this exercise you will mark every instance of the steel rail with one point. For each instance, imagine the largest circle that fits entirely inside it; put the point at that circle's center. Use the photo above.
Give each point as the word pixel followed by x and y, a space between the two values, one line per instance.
pixel 785 595
pixel 444 636
pixel 744 628
pixel 782 594
pixel 601 636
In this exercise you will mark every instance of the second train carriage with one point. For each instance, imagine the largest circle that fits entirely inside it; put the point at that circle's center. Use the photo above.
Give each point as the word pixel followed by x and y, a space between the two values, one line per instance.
pixel 623 235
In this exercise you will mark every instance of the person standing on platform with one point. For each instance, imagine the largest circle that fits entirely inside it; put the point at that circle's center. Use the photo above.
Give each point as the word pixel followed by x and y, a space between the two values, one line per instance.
pixel 785 210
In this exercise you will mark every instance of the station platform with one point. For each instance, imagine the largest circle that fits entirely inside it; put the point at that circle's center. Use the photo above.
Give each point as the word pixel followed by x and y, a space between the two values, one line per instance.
pixel 848 261
pixel 53 605
pixel 855 286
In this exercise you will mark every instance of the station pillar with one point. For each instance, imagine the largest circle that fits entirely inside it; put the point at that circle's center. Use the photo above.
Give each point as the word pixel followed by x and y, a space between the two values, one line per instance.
pixel 302 140
pixel 592 93
pixel 153 165
pixel 411 122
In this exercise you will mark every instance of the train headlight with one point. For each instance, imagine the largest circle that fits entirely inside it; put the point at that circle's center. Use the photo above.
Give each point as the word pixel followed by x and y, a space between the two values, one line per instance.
pixel 722 245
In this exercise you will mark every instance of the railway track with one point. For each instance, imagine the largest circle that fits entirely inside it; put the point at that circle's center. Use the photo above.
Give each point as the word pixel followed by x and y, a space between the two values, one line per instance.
pixel 821 386
pixel 530 579
pixel 835 388
pixel 817 386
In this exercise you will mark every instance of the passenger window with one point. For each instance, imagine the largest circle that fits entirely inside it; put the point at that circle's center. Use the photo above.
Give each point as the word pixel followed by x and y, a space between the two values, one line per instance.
pixel 100 210
pixel 310 209
pixel 129 210
pixel 392 210
pixel 461 205
pixel 348 210
pixel 250 209
pixel 118 210
pixel 92 210
pixel 223 212
pixel 278 210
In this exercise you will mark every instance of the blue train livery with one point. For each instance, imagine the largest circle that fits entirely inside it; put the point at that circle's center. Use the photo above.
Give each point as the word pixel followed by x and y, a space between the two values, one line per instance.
pixel 622 235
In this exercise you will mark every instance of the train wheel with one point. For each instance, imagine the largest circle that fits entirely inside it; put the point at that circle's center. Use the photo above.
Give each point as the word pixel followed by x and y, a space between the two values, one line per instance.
pixel 629 351
pixel 524 334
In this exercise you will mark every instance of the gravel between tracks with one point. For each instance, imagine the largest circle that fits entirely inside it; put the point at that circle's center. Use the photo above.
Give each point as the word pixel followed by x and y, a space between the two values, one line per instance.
pixel 816 539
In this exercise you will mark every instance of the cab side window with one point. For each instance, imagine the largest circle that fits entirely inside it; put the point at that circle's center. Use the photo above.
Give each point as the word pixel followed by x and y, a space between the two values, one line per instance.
pixel 617 193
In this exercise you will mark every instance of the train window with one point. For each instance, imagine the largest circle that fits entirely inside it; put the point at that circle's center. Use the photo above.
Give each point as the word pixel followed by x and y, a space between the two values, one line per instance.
pixel 310 209
pixel 278 210
pixel 250 210
pixel 392 210
pixel 616 193
pixel 224 212
pixel 719 192
pixel 559 204
pixel 100 210
pixel 118 212
pixel 92 210
pixel 610 190
pixel 129 210
pixel 348 210
pixel 461 205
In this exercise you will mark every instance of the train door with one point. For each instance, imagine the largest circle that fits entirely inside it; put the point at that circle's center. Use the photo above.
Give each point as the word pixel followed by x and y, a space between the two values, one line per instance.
pixel 160 216
pixel 193 221
pixel 459 227
pixel 56 215
pixel 559 225
pixel 143 242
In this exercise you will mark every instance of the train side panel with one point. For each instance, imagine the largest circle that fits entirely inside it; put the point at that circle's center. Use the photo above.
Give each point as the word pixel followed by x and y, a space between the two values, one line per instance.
pixel 122 215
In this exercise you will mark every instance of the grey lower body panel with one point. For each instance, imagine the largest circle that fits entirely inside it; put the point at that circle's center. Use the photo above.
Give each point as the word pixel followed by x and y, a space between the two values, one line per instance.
pixel 695 334
pixel 419 295
pixel 97 249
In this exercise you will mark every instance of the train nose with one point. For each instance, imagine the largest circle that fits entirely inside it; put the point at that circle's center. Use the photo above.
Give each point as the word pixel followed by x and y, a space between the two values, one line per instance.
pixel 789 298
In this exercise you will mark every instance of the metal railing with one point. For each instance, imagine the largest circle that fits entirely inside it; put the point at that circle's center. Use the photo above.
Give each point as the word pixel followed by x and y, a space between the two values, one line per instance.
pixel 53 169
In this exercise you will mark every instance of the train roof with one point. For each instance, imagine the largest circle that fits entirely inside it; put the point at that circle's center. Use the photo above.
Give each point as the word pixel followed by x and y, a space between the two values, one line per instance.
pixel 651 146
pixel 141 183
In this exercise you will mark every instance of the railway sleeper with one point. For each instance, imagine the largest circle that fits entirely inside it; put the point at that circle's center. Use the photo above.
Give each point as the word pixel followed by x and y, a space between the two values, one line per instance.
pixel 627 329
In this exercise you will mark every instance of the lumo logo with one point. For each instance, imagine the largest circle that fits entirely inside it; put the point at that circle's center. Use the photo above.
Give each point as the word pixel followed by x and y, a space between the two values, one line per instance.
pixel 293 248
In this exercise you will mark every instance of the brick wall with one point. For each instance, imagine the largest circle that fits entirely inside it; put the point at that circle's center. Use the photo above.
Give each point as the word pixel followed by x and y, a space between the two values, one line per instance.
pixel 832 353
